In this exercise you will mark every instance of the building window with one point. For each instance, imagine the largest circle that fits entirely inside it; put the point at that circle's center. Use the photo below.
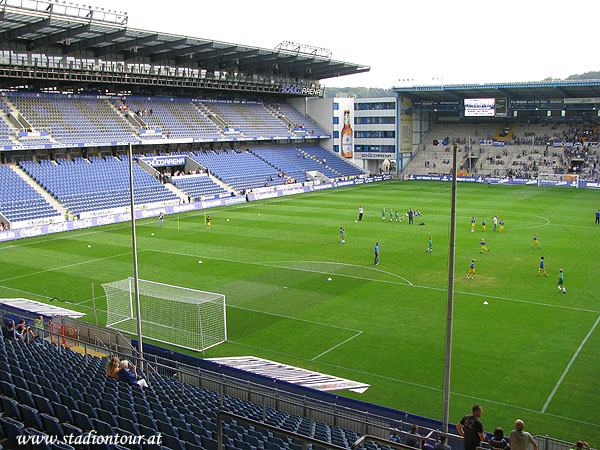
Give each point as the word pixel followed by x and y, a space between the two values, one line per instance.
pixel 336 148
pixel 375 120
pixel 336 134
pixel 336 106
pixel 336 120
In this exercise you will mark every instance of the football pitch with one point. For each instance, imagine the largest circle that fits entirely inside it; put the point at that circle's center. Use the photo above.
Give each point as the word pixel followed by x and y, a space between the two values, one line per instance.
pixel 522 349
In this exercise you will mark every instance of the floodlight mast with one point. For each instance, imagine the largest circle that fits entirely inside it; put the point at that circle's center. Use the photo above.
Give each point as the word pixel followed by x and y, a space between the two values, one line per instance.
pixel 135 261
pixel 450 308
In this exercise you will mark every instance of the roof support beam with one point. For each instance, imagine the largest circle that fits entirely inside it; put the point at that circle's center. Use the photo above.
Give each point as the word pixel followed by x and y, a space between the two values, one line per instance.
pixel 148 50
pixel 121 46
pixel 180 53
pixel 85 44
pixel 14 33
pixel 58 37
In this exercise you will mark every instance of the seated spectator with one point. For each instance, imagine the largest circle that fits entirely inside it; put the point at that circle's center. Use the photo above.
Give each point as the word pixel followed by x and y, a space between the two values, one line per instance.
pixel 395 436
pixel 413 439
pixel 8 331
pixel 112 368
pixel 441 445
pixel 498 442
pixel 580 445
pixel 130 376
pixel 24 331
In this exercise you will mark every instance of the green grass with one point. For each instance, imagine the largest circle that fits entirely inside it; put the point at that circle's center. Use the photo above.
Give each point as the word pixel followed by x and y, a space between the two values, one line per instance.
pixel 508 355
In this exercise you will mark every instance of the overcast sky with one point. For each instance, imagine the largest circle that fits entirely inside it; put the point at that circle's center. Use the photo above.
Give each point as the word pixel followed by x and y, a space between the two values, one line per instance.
pixel 427 41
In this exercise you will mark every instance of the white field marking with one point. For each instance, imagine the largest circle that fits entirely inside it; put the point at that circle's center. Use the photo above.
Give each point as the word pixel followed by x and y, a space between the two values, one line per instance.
pixel 534 226
pixel 571 308
pixel 276 266
pixel 419 385
pixel 336 346
pixel 480 400
pixel 342 264
pixel 81 304
pixel 294 318
pixel 66 266
pixel 562 377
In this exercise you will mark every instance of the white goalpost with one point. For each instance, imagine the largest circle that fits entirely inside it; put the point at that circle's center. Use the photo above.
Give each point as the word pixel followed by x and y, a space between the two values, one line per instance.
pixel 187 318
pixel 558 179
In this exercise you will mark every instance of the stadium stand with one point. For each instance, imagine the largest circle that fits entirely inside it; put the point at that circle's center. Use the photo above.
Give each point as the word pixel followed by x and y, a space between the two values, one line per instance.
pixel 176 118
pixel 50 390
pixel 297 118
pixel 83 185
pixel 71 120
pixel 19 201
pixel 198 186
pixel 239 169
pixel 512 149
pixel 250 118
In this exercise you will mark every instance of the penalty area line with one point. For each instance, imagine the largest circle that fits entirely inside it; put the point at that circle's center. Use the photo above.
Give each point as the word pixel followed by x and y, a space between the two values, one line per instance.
pixel 336 346
pixel 564 374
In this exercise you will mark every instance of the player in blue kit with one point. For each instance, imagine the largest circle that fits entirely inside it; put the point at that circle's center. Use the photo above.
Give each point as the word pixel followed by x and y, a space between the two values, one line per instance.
pixel 542 268
pixel 471 273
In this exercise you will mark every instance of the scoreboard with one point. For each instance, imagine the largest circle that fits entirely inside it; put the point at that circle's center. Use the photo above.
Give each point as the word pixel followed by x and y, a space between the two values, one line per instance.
pixel 485 107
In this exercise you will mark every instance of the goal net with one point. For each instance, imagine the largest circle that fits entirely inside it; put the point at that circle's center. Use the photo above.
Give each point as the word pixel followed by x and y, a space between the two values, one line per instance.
pixel 174 315
pixel 558 179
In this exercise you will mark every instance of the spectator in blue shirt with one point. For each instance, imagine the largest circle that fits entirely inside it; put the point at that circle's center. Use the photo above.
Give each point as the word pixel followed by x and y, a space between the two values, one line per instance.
pixel 130 376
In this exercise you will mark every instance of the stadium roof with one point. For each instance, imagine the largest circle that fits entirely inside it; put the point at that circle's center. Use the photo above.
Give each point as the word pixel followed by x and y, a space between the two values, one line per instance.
pixel 53 29
pixel 514 91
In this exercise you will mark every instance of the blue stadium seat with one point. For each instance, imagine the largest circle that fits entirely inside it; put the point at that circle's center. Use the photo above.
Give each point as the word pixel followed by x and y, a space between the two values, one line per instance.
pixel 10 407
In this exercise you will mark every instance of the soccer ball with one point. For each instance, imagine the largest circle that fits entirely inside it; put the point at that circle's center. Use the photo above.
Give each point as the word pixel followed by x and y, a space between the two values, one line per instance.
pixel 472 230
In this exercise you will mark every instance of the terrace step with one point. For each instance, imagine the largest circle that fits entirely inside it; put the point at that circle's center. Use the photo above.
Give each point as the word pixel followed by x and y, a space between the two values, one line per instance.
pixel 44 193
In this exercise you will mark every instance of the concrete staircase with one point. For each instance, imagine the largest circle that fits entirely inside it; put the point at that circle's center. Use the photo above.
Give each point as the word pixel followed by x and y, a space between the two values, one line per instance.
pixel 44 193
pixel 178 192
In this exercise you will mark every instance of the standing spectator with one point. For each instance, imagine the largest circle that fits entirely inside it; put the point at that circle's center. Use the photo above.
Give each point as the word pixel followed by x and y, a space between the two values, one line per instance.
pixel 498 442
pixel 39 325
pixel 519 439
pixel 377 254
pixel 471 428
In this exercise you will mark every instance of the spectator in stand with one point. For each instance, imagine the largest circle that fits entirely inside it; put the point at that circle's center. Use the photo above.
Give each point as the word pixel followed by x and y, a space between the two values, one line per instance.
pixel 498 442
pixel 112 368
pixel 24 331
pixel 471 428
pixel 128 374
pixel 395 436
pixel 581 445
pixel 519 439
pixel 8 331
pixel 413 438
pixel 441 445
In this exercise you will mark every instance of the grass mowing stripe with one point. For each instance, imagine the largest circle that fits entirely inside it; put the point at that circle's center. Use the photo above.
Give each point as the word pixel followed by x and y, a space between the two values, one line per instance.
pixel 572 308
pixel 562 377
pixel 52 269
